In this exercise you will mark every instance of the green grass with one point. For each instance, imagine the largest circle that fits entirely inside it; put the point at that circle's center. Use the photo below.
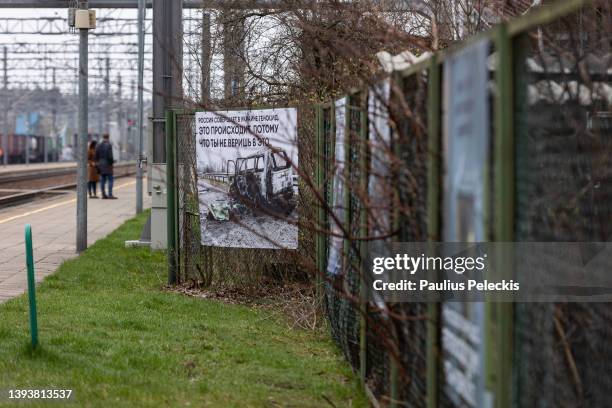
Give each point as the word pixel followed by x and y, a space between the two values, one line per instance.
pixel 111 334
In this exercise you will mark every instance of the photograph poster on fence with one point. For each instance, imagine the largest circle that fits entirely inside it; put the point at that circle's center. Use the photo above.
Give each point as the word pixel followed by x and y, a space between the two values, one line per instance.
pixel 336 242
pixel 380 185
pixel 247 178
pixel 466 139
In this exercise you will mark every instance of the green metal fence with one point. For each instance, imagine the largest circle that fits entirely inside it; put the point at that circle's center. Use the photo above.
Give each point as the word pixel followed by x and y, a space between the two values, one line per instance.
pixel 550 180
pixel 563 145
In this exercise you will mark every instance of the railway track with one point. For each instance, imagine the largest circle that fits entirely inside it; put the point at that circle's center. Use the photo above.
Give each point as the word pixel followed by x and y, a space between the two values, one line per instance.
pixel 27 184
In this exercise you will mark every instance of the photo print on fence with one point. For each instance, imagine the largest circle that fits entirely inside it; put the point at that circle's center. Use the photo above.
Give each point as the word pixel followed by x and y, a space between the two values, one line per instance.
pixel 336 242
pixel 247 178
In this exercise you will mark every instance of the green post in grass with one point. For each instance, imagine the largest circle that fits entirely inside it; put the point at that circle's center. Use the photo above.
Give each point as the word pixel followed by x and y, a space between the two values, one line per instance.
pixel 31 285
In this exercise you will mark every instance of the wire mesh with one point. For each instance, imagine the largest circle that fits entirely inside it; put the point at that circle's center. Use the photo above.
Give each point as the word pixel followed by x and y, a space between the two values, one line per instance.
pixel 349 312
pixel 564 193
pixel 409 112
pixel 563 147
pixel 190 251
pixel 399 327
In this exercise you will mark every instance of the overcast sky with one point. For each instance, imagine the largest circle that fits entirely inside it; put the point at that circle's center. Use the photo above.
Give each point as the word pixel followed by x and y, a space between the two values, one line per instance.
pixel 65 64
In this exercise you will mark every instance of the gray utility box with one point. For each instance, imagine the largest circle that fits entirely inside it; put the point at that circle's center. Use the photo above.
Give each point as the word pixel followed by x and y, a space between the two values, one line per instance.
pixel 159 203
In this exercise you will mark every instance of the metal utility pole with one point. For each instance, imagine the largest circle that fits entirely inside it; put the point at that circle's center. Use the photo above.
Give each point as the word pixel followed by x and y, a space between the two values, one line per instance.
pixel 233 52
pixel 5 113
pixel 107 102
pixel 206 59
pixel 100 104
pixel 54 120
pixel 76 72
pixel 45 146
pixel 44 139
pixel 120 120
pixel 130 121
pixel 81 233
pixel 27 137
pixel 167 94
pixel 167 68
pixel 141 35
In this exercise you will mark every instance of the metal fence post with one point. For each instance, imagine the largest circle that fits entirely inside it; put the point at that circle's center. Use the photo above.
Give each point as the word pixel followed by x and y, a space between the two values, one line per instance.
pixel 504 204
pixel 395 84
pixel 31 286
pixel 363 231
pixel 170 186
pixel 433 220
pixel 320 250
pixel 346 171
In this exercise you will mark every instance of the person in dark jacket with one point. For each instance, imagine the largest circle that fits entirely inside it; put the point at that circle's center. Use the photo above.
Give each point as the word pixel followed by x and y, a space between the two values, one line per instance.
pixel 105 161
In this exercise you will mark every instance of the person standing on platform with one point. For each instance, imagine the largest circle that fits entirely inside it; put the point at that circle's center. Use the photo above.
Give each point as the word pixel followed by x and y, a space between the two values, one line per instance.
pixel 92 170
pixel 105 161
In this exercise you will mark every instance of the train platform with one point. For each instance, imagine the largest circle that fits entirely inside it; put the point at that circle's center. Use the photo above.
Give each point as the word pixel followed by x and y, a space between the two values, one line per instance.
pixel 19 168
pixel 53 223
pixel 43 176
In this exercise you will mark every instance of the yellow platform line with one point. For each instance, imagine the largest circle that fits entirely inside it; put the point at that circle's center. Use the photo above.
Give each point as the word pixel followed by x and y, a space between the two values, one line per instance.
pixel 50 207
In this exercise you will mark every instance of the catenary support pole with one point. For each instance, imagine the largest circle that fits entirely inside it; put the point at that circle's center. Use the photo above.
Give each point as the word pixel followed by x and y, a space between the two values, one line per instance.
pixel 45 147
pixel 167 89
pixel 54 121
pixel 5 123
pixel 99 110
pixel 107 97
pixel 120 119
pixel 81 233
pixel 27 138
pixel 44 139
pixel 233 55
pixel 131 121
pixel 141 18
pixel 167 68
pixel 206 59
pixel 131 114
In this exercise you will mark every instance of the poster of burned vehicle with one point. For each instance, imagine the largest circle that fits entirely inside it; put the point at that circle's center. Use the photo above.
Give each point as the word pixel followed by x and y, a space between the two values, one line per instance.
pixel 247 178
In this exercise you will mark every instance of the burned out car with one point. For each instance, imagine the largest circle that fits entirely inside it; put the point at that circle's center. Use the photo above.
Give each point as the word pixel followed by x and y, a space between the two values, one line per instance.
pixel 263 180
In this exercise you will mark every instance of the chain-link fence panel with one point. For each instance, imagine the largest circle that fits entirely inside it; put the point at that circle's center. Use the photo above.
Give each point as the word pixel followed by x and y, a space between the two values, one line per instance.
pixel 409 114
pixel 349 312
pixel 563 145
pixel 190 252
pixel 336 303
pixel 564 193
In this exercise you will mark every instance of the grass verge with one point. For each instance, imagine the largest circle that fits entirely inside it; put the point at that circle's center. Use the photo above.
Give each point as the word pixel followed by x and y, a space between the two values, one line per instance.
pixel 109 333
